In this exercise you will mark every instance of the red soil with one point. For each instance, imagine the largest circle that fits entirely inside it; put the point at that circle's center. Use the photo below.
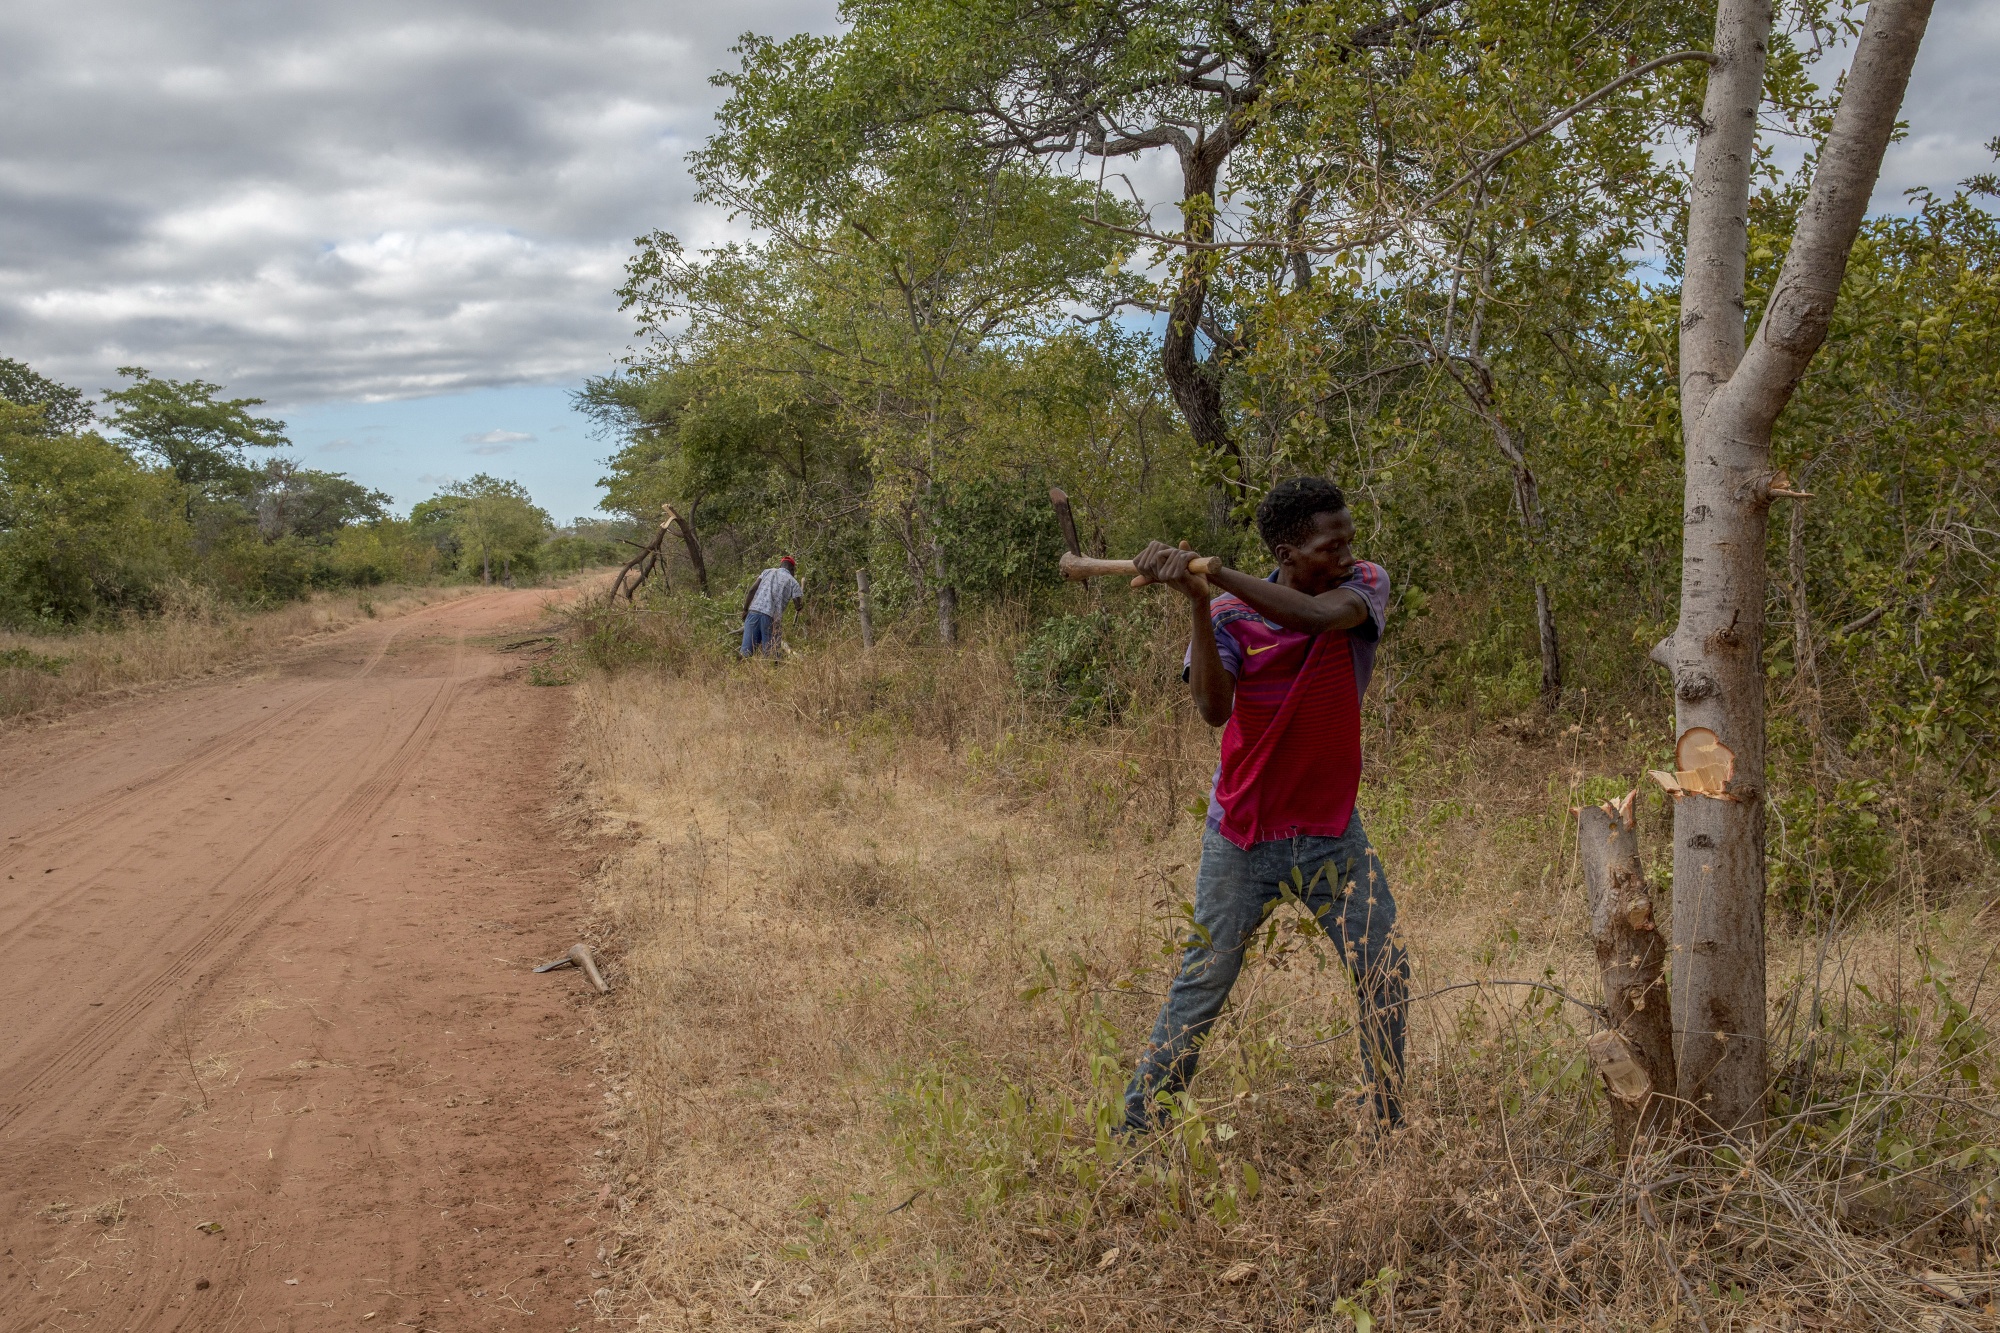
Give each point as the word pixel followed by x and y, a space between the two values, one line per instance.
pixel 267 950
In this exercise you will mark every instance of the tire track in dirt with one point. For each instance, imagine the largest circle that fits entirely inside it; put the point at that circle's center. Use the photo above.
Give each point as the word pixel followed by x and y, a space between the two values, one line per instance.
pixel 78 1051
pixel 281 984
pixel 216 749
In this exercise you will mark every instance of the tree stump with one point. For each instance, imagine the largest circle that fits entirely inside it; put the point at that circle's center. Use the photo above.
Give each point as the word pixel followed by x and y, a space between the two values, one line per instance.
pixel 1634 1055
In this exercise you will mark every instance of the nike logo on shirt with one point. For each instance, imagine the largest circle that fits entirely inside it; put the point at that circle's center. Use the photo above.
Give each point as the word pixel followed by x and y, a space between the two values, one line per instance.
pixel 1252 652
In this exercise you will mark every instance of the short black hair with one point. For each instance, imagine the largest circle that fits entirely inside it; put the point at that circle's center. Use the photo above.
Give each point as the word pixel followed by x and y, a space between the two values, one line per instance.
pixel 1285 516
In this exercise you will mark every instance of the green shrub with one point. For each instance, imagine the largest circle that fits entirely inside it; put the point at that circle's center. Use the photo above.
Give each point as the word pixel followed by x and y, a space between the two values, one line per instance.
pixel 26 659
pixel 84 527
pixel 1087 664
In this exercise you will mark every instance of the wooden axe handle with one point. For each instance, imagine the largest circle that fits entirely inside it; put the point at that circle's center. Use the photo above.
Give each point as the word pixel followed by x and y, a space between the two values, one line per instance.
pixel 1083 567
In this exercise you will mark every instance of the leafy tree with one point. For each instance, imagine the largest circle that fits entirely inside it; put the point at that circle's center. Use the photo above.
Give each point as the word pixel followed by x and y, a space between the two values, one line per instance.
pixel 63 410
pixel 84 527
pixel 1105 79
pixel 185 426
pixel 290 500
pixel 485 519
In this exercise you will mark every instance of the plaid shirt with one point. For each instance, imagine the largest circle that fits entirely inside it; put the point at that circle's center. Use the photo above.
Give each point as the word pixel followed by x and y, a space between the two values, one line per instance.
pixel 776 590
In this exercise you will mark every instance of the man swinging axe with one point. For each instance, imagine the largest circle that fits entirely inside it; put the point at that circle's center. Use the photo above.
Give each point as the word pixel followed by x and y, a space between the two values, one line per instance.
pixel 1281 664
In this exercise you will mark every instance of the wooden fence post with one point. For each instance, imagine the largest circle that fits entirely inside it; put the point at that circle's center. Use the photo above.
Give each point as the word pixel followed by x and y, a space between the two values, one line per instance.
pixel 867 624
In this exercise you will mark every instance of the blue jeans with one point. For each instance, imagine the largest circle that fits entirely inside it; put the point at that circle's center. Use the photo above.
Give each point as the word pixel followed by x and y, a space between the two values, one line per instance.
pixel 757 634
pixel 1340 881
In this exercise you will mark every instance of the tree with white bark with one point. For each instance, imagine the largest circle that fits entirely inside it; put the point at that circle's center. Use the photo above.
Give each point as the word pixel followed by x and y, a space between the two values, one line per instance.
pixel 1732 393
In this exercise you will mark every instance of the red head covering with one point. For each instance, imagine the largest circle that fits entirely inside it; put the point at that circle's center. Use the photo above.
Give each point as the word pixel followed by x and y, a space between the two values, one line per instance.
pixel 788 562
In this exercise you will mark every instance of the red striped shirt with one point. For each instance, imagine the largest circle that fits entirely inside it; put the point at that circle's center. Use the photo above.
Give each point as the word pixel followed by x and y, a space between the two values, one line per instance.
pixel 1291 752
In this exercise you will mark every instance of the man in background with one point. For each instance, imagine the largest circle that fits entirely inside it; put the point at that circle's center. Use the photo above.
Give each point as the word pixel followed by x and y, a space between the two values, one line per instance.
pixel 764 608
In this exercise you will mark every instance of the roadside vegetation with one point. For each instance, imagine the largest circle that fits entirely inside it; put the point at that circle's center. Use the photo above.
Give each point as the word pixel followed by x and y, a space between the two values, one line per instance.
pixel 193 632
pixel 893 921
pixel 890 927
pixel 167 494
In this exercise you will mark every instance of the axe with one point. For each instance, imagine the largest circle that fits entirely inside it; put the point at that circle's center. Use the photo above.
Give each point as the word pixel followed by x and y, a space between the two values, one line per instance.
pixel 1079 567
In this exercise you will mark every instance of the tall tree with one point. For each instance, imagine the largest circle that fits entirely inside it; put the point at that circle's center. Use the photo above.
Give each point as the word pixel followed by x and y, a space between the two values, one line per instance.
pixel 489 518
pixel 1731 397
pixel 185 425
pixel 1096 80
pixel 290 500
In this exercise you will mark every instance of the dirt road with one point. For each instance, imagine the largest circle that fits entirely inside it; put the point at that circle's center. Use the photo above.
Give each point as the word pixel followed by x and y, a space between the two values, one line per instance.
pixel 271 1054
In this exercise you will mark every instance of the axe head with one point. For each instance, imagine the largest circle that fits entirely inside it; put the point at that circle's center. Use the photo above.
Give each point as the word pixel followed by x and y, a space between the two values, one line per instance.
pixel 1066 519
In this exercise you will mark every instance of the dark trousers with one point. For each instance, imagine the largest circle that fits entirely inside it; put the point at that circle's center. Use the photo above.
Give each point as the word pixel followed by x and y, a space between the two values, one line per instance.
pixel 1341 882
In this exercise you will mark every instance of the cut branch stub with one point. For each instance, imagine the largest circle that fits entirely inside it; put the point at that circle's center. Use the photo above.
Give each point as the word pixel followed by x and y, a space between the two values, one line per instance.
pixel 1704 766
pixel 1635 1055
pixel 1614 1061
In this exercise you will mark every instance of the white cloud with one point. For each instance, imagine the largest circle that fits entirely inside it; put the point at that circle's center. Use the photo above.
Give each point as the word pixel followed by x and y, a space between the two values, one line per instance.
pixel 397 198
pixel 496 437
pixel 367 201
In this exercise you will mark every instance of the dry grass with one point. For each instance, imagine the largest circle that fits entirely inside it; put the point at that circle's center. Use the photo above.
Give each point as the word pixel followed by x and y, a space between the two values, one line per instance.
pixel 197 633
pixel 888 935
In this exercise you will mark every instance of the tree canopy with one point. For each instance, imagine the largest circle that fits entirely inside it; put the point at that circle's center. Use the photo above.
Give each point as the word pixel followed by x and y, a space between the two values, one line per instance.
pixel 184 425
pixel 109 525
pixel 1414 252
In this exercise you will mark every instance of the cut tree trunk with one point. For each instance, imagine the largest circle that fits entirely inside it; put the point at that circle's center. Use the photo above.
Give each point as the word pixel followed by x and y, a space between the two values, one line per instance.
pixel 1731 397
pixel 1634 1055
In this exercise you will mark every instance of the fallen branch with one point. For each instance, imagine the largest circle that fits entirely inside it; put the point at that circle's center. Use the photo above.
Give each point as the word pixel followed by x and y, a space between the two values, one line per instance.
pixel 579 955
pixel 1856 626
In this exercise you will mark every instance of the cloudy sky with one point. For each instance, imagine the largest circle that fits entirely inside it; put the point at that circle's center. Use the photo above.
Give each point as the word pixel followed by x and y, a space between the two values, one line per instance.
pixel 402 223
